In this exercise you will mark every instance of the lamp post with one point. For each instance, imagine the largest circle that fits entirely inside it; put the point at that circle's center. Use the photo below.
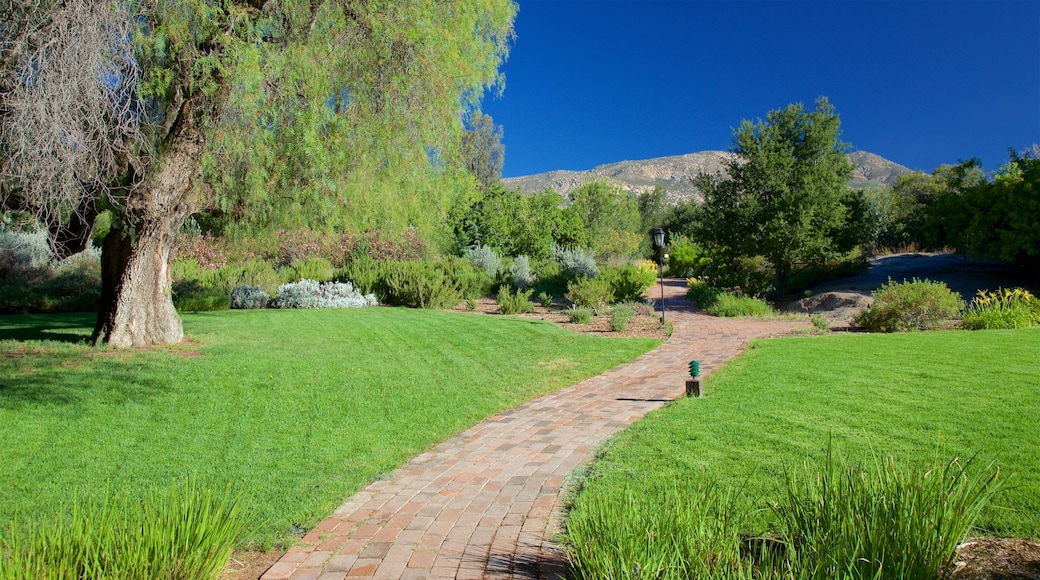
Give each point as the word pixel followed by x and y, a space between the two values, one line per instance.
pixel 658 235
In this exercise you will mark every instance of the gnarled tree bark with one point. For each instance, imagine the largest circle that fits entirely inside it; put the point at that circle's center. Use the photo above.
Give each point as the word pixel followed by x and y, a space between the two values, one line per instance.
pixel 136 303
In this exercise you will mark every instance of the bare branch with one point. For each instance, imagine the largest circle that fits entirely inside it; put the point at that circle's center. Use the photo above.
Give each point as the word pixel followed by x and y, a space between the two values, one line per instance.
pixel 70 116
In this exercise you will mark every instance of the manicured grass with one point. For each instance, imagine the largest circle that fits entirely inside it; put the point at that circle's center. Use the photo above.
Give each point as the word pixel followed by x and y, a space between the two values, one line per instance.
pixel 297 410
pixel 921 398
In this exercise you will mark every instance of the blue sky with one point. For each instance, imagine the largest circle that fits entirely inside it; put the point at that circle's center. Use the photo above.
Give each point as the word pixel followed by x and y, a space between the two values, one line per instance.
pixel 919 82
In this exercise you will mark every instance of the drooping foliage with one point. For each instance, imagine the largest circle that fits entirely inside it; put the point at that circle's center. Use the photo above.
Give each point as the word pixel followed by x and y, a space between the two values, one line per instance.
pixel 339 114
pixel 360 126
pixel 786 191
pixel 482 151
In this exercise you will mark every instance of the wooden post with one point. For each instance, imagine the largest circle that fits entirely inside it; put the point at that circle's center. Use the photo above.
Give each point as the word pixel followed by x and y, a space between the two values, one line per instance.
pixel 693 388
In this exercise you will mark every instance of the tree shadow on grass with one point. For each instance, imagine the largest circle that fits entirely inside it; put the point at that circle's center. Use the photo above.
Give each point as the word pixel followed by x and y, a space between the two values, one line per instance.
pixel 75 327
pixel 37 374
pixel 92 385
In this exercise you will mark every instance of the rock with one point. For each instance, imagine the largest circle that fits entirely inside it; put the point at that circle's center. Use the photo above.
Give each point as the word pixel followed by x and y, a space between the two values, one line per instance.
pixel 840 307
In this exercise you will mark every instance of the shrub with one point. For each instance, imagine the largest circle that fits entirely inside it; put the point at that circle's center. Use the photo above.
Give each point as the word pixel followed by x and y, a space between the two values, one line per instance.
pixel 484 258
pixel 518 303
pixel 579 315
pixel 915 305
pixel 545 299
pixel 363 271
pixel 617 244
pixel 22 252
pixel 700 292
pixel 470 280
pixel 731 304
pixel 523 277
pixel 194 296
pixel 644 308
pixel 314 268
pixel 1014 308
pixel 416 284
pixel 244 297
pixel 185 532
pixel 593 293
pixel 311 294
pixel 576 262
pixel 76 283
pixel 619 317
pixel 629 283
pixel 260 273
pixel 686 258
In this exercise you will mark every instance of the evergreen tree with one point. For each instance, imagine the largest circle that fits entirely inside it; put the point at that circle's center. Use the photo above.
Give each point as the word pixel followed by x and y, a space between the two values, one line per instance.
pixel 784 197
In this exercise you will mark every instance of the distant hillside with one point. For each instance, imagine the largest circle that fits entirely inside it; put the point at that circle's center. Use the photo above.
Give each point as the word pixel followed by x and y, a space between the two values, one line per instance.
pixel 676 173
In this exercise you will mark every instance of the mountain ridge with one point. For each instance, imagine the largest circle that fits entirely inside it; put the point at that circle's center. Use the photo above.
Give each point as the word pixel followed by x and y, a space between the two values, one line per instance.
pixel 675 173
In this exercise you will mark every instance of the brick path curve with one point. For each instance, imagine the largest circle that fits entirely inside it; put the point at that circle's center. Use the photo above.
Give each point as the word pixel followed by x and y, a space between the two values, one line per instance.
pixel 486 503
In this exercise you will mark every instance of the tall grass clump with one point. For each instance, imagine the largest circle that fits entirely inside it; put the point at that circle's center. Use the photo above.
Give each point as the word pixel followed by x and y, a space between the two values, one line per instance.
pixel 880 521
pixel 1014 308
pixel 915 305
pixel 184 533
pixel 677 534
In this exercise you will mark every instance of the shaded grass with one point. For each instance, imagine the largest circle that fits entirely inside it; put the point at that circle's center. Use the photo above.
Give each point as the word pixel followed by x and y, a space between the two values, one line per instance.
pixel 296 410
pixel 922 398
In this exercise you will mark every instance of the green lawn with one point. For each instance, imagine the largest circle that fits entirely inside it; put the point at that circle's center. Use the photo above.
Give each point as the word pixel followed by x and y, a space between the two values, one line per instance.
pixel 296 409
pixel 919 397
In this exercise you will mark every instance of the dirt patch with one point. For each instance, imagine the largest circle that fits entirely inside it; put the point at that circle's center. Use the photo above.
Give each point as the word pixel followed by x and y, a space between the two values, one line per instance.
pixel 249 565
pixel 998 558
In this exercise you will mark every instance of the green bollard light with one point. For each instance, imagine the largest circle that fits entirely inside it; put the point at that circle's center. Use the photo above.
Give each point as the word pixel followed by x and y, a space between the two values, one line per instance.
pixel 695 369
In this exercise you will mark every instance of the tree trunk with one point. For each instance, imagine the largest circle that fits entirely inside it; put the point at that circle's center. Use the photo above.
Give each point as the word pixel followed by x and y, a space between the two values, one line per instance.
pixel 781 272
pixel 136 303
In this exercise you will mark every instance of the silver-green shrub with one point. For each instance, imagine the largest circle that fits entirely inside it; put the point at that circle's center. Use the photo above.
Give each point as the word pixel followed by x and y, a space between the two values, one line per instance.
pixel 485 258
pixel 246 297
pixel 523 277
pixel 311 294
pixel 24 257
pixel 576 262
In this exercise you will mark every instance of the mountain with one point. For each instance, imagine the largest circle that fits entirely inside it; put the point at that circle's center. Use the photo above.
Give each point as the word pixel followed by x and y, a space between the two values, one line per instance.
pixel 676 173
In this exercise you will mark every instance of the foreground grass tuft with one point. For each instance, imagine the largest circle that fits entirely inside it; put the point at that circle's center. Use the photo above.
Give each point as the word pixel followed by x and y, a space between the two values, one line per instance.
pixel 185 533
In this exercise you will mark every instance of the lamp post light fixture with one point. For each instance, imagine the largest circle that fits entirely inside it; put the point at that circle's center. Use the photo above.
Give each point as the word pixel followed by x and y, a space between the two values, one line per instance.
pixel 658 235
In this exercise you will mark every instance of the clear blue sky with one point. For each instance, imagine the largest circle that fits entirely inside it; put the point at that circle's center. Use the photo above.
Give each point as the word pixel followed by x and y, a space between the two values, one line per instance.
pixel 919 82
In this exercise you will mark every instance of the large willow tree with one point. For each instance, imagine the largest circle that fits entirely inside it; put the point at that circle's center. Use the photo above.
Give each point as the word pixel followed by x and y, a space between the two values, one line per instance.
pixel 295 109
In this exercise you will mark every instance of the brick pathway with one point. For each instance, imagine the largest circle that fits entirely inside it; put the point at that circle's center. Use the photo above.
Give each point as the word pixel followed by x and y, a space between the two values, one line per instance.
pixel 485 504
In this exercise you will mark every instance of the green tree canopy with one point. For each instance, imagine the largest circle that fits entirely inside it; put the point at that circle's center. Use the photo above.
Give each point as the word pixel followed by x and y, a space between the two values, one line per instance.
pixel 784 197
pixel 996 218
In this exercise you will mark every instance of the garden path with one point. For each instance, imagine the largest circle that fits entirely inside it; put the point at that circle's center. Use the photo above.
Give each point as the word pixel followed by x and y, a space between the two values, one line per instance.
pixel 486 503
